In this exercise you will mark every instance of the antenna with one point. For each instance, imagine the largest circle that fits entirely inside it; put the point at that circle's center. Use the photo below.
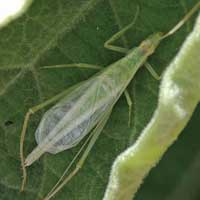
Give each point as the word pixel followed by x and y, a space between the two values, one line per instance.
pixel 182 22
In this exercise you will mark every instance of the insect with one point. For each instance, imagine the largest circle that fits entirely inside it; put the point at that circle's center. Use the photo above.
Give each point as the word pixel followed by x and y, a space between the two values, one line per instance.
pixel 178 97
pixel 68 121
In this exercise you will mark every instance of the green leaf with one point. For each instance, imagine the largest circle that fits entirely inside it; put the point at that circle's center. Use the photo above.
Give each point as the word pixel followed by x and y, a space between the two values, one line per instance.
pixel 59 32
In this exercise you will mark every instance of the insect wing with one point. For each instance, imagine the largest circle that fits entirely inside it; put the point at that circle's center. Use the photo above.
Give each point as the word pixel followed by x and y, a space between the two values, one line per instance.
pixel 74 116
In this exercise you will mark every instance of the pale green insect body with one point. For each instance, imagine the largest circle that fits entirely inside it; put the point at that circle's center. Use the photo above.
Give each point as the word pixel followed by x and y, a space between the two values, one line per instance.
pixel 178 98
pixel 87 108
pixel 65 124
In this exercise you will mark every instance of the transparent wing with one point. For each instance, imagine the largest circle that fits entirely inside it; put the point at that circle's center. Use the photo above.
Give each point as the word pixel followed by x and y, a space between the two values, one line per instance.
pixel 93 137
pixel 85 114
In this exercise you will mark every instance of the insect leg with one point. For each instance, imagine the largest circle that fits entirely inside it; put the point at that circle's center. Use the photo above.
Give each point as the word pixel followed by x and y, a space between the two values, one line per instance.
pixel 152 71
pixel 95 134
pixel 130 103
pixel 70 165
pixel 74 65
pixel 117 35
pixel 25 125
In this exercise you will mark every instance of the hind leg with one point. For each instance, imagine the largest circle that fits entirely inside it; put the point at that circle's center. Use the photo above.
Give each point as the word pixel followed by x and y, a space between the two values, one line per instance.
pixel 25 125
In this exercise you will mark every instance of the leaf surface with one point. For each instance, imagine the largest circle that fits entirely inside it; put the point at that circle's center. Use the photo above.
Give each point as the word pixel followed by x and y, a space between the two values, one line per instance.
pixel 58 32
